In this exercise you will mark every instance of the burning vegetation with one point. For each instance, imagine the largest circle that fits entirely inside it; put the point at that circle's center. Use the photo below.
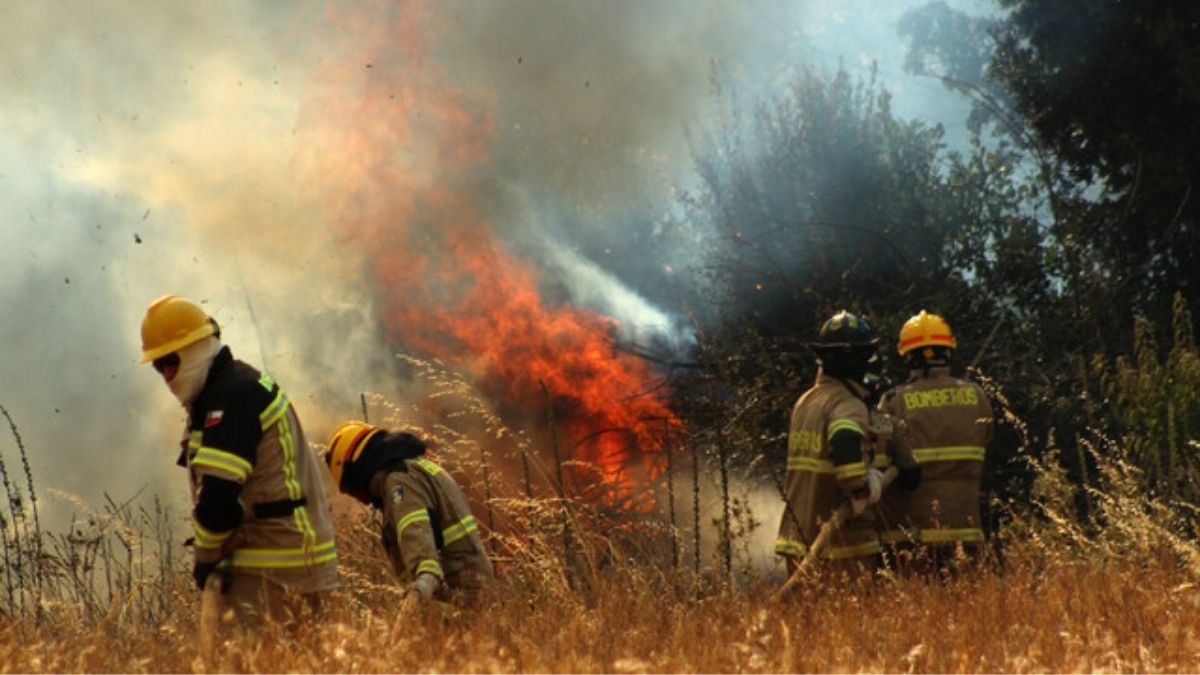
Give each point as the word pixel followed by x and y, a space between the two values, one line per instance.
pixel 405 166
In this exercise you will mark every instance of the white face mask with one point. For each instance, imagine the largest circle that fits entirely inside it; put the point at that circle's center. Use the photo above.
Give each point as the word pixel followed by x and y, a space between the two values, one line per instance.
pixel 194 362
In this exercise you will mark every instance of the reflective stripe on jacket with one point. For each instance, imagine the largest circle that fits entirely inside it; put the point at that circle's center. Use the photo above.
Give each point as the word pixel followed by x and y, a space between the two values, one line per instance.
pixel 243 429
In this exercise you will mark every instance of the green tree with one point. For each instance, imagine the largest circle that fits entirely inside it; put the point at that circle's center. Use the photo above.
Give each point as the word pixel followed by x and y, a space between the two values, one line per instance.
pixel 823 200
pixel 1112 89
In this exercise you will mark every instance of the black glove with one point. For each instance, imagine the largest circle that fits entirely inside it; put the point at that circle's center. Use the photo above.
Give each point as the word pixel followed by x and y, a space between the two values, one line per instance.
pixel 200 572
pixel 909 477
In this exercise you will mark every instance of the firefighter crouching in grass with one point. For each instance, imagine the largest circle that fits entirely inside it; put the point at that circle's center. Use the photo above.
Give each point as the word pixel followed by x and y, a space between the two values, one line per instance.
pixel 828 457
pixel 948 423
pixel 263 536
pixel 428 530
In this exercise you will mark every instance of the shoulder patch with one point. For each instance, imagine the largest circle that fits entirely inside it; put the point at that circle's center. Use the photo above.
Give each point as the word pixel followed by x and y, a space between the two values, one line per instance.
pixel 397 495
pixel 213 418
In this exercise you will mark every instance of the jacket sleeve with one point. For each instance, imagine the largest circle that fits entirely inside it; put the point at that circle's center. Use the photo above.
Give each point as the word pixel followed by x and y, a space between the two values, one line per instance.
pixel 845 433
pixel 412 519
pixel 217 514
pixel 228 439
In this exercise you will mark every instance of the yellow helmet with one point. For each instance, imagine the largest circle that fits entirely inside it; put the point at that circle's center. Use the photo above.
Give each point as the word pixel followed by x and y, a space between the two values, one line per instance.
pixel 172 323
pixel 925 330
pixel 346 445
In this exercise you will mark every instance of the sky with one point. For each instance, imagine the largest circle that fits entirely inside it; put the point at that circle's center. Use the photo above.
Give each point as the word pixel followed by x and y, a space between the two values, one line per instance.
pixel 293 166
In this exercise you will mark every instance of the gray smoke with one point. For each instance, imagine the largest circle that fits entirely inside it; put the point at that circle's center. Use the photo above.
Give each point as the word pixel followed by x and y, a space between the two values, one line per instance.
pixel 152 148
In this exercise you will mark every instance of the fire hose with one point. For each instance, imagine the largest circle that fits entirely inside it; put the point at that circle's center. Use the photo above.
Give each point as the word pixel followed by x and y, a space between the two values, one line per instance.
pixel 840 515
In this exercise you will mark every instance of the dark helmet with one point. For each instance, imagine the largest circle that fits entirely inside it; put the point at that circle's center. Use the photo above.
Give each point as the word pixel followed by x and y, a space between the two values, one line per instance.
pixel 845 346
pixel 845 330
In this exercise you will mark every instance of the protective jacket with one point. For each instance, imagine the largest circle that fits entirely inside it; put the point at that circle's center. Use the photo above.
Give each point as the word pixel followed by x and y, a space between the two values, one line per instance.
pixel 259 505
pixel 428 527
pixel 948 423
pixel 818 482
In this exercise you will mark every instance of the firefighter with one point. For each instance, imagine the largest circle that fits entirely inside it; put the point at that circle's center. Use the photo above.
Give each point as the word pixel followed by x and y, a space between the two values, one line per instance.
pixel 428 530
pixel 948 424
pixel 262 530
pixel 829 457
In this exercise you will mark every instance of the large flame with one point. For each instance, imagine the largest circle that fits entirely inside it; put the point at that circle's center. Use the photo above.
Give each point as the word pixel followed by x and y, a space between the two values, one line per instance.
pixel 404 158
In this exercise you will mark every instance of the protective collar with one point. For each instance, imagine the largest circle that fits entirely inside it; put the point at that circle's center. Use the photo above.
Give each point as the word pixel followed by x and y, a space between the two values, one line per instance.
pixel 194 362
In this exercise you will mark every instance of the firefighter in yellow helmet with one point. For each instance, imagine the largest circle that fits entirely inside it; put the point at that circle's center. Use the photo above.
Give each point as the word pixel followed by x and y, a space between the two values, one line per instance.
pixel 428 532
pixel 948 424
pixel 262 529
pixel 829 460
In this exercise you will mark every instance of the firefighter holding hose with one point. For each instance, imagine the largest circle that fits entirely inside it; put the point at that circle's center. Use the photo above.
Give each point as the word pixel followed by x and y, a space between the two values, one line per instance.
pixel 830 455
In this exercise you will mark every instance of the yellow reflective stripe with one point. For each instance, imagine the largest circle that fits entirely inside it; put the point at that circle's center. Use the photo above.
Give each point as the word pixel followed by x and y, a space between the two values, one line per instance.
pixel 855 551
pixel 851 470
pixel 431 566
pixel 459 530
pixel 949 453
pixel 287 442
pixel 269 416
pixel 811 464
pixel 195 440
pixel 430 468
pixel 420 516
pixel 790 548
pixel 843 424
pixel 796 549
pixel 952 535
pixel 207 538
pixel 284 557
pixel 276 414
pixel 225 461
pixel 305 526
pixel 824 466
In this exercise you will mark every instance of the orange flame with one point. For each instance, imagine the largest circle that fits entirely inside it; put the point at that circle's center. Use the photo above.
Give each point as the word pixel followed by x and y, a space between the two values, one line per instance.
pixel 401 154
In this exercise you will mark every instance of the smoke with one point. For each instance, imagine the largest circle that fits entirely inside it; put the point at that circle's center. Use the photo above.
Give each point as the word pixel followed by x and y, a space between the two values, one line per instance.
pixel 307 170
pixel 152 152
pixel 594 97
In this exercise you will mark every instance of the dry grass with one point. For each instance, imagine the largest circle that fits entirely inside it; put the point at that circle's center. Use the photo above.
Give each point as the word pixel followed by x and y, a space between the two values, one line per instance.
pixel 1079 615
pixel 589 589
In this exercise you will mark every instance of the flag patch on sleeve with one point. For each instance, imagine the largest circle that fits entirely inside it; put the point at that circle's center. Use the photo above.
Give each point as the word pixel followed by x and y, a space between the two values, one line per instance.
pixel 213 418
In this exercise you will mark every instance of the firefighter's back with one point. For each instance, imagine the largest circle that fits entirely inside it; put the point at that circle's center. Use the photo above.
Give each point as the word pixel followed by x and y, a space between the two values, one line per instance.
pixel 949 424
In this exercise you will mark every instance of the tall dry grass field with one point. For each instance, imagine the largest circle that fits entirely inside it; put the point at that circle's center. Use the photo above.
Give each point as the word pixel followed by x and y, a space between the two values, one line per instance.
pixel 1044 613
pixel 588 589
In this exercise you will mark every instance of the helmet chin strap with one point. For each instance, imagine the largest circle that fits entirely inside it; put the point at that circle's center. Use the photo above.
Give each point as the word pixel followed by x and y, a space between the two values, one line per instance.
pixel 194 362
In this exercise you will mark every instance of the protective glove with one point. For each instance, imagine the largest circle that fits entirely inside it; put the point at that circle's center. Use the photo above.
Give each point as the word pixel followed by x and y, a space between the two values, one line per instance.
pixel 869 493
pixel 424 587
pixel 200 572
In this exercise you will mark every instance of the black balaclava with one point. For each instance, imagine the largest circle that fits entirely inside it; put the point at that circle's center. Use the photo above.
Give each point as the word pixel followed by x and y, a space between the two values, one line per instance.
pixel 383 451
pixel 846 363
pixel 924 358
